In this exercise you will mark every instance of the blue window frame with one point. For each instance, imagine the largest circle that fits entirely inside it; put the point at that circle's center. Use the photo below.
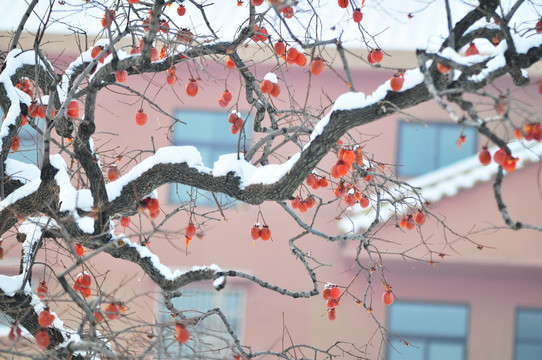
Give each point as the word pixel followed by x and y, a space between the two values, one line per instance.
pixel 211 334
pixel 424 149
pixel 528 342
pixel 433 331
pixel 210 133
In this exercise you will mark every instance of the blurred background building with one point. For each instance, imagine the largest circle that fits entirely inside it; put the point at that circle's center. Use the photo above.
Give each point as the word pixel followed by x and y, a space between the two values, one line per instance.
pixel 478 296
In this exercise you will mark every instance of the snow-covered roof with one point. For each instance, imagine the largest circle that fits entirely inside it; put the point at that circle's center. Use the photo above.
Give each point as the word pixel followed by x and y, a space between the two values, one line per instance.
pixel 441 183
pixel 400 25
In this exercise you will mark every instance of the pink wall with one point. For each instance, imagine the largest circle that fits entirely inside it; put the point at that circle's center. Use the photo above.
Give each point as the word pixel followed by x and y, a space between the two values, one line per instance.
pixel 494 281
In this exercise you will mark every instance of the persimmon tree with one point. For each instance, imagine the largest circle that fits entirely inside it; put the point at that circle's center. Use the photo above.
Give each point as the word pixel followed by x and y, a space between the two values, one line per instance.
pixel 72 201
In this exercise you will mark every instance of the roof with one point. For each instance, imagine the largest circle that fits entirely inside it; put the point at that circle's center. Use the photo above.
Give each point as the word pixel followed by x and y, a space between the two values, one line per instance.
pixel 436 185
pixel 395 24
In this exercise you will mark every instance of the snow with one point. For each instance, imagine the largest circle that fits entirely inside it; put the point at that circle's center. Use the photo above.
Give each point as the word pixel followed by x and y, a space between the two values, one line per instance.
pixel 271 77
pixel 413 77
pixel 498 61
pixel 14 60
pixel 85 223
pixel 319 127
pixel 25 190
pixel 11 284
pixel 219 282
pixel 452 55
pixel 233 162
pixel 165 271
pixel 72 199
pixel 32 228
pixel 250 174
pixel 524 43
pixel 388 19
pixel 144 252
pixel 166 155
pixel 351 100
pixel 21 171
pixel 441 183
pixel 69 197
pixel 358 100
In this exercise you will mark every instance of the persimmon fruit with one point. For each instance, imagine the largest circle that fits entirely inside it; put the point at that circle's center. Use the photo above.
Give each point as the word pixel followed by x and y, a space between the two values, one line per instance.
pixel 484 156
pixel 387 298
pixel 42 338
pixel 397 81
pixel 265 233
pixel 141 118
pixel 192 88
pixel 45 318
pixel 317 66
pixel 113 173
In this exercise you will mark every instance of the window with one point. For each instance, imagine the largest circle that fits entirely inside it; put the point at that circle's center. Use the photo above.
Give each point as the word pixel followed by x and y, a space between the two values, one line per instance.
pixel 528 334
pixel 424 149
pixel 433 331
pixel 5 325
pixel 210 133
pixel 212 336
pixel 30 140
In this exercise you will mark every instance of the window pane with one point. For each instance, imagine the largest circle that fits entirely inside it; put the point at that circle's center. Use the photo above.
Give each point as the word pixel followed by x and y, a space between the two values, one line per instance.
pixel 400 351
pixel 211 333
pixel 429 319
pixel 30 149
pixel 446 351
pixel 5 325
pixel 528 352
pixel 29 152
pixel 199 301
pixel 435 331
pixel 448 152
pixel 423 149
pixel 196 301
pixel 203 127
pixel 417 153
pixel 210 133
pixel 529 325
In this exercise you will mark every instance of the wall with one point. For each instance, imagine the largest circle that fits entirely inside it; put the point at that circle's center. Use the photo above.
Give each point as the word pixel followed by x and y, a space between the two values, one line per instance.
pixel 494 281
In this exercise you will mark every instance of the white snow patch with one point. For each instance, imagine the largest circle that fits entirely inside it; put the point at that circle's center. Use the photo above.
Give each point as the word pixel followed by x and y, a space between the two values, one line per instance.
pixel 32 228
pixel 15 60
pixel 250 174
pixel 70 198
pixel 21 171
pixel 166 155
pixel 498 61
pixel 25 190
pixel 524 43
pixel 413 77
pixel 11 284
pixel 318 128
pixel 219 282
pixel 350 100
pixel 165 271
pixel 85 223
pixel 144 252
pixel 271 77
